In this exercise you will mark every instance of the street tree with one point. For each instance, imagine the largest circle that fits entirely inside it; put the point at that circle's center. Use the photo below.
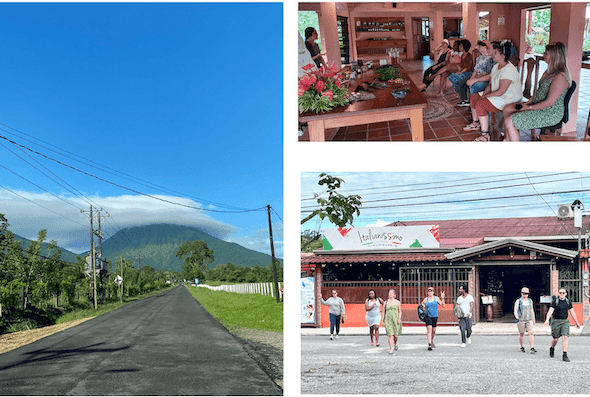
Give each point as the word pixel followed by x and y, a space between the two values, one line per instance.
pixel 339 209
pixel 197 257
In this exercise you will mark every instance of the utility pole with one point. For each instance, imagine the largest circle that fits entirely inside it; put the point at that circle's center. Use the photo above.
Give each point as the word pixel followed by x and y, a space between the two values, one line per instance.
pixel 122 281
pixel 139 259
pixel 92 259
pixel 272 251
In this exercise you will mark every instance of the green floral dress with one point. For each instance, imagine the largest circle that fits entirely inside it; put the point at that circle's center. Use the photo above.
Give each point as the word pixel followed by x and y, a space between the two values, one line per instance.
pixel 533 119
pixel 390 320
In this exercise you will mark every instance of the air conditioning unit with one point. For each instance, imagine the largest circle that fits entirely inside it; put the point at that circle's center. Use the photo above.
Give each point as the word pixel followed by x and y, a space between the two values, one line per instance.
pixel 564 211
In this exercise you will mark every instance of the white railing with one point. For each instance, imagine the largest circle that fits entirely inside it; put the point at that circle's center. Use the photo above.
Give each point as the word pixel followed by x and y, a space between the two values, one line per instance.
pixel 266 289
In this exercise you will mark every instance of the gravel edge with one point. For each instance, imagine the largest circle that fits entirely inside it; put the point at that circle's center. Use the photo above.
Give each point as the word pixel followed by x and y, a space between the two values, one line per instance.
pixel 266 349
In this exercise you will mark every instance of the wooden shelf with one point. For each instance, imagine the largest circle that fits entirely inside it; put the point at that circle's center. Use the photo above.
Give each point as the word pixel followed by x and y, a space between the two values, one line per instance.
pixel 375 35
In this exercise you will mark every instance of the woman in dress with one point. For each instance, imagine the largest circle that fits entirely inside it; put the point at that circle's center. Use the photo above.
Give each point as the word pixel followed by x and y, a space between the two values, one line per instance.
pixel 459 58
pixel 311 35
pixel 373 316
pixel 392 317
pixel 442 54
pixel 431 303
pixel 504 88
pixel 336 305
pixel 546 107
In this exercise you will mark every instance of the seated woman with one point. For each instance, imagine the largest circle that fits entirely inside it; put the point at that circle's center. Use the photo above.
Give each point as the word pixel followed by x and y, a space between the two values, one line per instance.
pixel 505 88
pixel 311 35
pixel 442 51
pixel 483 66
pixel 455 58
pixel 546 107
pixel 460 77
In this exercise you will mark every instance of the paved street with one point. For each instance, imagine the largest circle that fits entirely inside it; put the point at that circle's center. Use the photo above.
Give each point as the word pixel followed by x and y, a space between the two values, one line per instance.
pixel 490 365
pixel 164 345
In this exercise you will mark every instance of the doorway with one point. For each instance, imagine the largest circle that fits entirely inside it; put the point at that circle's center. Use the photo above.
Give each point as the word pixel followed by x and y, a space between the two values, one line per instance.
pixel 505 282
pixel 421 37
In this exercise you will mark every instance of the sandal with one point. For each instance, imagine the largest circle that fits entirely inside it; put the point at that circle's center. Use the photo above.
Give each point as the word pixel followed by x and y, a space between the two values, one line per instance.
pixel 472 127
pixel 484 137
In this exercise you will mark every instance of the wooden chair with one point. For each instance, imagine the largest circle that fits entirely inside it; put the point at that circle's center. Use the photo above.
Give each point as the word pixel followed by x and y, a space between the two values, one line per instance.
pixel 532 67
pixel 566 113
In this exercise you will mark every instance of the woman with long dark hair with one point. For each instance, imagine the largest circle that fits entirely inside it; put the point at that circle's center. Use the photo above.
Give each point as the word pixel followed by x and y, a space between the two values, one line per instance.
pixel 311 35
pixel 374 315
pixel 546 107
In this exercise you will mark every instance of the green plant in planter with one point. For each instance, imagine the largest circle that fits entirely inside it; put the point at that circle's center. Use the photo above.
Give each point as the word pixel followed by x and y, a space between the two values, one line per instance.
pixel 387 73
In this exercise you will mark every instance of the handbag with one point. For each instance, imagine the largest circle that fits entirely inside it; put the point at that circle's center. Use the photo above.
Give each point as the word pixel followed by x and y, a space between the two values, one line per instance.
pixel 422 312
pixel 459 311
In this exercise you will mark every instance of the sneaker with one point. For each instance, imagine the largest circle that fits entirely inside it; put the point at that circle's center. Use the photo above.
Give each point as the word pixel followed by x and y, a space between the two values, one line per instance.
pixel 336 336
pixel 469 340
pixel 463 345
pixel 429 347
pixel 566 358
pixel 533 350
pixel 432 344
pixel 522 349
pixel 390 352
pixel 331 337
pixel 551 352
pixel 463 103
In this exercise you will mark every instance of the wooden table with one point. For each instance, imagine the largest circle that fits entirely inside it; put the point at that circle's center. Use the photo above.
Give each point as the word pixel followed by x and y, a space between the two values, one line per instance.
pixel 385 107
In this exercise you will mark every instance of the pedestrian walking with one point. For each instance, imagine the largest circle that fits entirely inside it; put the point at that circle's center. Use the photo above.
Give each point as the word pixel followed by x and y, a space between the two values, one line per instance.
pixel 524 312
pixel 560 323
pixel 392 318
pixel 336 305
pixel 374 315
pixel 466 302
pixel 431 303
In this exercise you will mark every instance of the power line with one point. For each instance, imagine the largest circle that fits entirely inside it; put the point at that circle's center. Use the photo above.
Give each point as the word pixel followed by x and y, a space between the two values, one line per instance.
pixel 24 198
pixel 153 186
pixel 129 189
pixel 458 192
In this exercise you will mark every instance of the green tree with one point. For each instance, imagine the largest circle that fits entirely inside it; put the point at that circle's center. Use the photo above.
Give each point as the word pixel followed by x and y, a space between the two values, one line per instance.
pixel 197 257
pixel 308 19
pixel 310 241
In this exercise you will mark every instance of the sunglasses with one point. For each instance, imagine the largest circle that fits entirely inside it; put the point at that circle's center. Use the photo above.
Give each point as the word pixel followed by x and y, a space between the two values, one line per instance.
pixel 430 290
pixel 525 293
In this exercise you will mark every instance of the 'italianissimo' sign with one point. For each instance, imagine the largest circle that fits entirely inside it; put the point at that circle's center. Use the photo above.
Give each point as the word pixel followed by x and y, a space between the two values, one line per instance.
pixel 369 238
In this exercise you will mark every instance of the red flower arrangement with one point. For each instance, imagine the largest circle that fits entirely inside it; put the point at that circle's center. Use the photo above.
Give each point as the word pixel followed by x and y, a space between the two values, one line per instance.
pixel 321 90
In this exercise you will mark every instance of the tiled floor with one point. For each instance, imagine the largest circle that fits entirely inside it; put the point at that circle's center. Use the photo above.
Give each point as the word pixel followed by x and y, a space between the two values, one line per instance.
pixel 449 128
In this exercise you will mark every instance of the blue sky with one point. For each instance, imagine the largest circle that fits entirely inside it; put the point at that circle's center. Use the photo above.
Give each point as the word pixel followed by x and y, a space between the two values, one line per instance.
pixel 184 96
pixel 409 196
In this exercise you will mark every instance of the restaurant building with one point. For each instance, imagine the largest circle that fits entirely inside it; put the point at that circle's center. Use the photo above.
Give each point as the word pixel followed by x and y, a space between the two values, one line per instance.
pixel 495 258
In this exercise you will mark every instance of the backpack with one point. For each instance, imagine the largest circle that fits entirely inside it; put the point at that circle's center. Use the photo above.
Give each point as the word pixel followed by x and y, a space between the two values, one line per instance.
pixel 555 301
pixel 422 312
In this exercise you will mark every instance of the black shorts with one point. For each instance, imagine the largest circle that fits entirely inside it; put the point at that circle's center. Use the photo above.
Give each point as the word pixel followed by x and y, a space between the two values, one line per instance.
pixel 431 321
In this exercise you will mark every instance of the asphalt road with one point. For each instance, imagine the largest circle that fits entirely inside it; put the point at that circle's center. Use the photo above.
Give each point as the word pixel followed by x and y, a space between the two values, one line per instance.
pixel 164 345
pixel 490 365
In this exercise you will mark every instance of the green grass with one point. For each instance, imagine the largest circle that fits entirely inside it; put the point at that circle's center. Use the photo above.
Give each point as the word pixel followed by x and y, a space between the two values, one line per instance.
pixel 104 308
pixel 236 311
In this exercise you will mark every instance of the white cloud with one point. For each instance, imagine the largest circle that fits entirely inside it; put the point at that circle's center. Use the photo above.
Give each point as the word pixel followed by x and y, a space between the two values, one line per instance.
pixel 71 228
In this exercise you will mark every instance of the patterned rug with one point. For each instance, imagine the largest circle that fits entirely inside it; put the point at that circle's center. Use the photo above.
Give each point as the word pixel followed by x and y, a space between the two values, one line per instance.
pixel 436 110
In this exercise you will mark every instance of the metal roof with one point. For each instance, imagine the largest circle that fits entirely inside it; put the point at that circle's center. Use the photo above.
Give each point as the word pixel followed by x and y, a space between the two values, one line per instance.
pixel 546 249
pixel 551 227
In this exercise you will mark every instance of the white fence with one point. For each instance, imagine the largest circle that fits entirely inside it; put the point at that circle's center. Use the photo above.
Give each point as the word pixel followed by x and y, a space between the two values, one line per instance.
pixel 251 288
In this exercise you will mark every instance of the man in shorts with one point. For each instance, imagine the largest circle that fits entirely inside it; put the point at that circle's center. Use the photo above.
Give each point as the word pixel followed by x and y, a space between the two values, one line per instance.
pixel 524 312
pixel 560 324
